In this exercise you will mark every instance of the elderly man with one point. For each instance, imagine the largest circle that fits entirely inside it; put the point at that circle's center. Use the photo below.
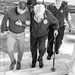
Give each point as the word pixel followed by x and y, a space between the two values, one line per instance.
pixel 18 19
pixel 61 12
pixel 41 19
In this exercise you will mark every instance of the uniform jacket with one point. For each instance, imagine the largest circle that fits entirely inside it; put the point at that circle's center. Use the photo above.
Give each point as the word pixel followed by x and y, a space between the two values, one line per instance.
pixel 60 13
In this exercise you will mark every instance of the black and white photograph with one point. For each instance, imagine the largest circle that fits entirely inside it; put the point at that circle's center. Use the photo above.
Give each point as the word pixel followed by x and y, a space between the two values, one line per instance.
pixel 37 37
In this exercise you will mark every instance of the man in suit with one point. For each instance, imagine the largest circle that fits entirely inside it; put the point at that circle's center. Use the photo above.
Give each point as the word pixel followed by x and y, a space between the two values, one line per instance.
pixel 41 19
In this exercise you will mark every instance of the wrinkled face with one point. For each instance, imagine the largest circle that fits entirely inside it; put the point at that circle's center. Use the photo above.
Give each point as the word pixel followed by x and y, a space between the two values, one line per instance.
pixel 22 5
pixel 37 13
pixel 39 10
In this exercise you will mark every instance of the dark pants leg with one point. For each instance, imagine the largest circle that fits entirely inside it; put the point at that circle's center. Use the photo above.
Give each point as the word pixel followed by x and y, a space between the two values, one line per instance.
pixel 33 46
pixel 50 42
pixel 59 38
pixel 42 48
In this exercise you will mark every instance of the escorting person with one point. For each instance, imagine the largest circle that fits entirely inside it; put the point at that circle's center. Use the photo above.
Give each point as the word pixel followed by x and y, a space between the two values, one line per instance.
pixel 61 12
pixel 19 18
pixel 41 19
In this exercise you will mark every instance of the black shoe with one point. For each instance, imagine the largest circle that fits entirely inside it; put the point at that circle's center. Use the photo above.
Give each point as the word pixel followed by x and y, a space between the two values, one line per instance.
pixel 33 65
pixel 66 74
pixel 18 66
pixel 40 60
pixel 48 57
pixel 69 30
pixel 12 65
pixel 41 64
pixel 57 51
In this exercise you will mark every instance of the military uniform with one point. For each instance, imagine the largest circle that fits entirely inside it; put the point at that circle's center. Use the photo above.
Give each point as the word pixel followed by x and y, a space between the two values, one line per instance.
pixel 60 14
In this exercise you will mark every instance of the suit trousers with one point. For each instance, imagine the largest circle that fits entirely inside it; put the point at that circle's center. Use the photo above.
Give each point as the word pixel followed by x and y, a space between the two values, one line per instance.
pixel 37 43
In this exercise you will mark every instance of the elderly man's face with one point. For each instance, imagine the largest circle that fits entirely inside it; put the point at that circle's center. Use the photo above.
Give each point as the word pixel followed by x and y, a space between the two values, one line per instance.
pixel 22 5
pixel 58 1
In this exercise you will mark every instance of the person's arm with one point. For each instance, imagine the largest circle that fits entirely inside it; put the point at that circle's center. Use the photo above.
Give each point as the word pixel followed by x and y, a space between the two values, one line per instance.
pixel 27 22
pixel 24 24
pixel 68 19
pixel 4 22
pixel 53 22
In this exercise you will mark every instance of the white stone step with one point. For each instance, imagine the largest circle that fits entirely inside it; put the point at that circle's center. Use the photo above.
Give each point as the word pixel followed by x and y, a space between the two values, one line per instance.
pixel 37 71
pixel 61 64
pixel 55 73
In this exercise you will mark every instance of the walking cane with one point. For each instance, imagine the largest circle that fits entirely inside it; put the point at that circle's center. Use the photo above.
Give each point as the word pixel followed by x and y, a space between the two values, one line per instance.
pixel 54 42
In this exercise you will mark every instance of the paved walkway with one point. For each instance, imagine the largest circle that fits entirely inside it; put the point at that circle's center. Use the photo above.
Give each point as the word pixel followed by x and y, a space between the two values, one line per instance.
pixel 61 65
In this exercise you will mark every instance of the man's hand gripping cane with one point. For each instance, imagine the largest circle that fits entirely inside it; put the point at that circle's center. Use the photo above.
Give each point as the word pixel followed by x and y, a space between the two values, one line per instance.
pixel 55 33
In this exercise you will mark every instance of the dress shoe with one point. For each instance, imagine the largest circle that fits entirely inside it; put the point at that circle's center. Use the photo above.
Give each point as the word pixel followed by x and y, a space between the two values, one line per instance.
pixel 48 57
pixel 33 65
pixel 57 51
pixel 18 66
pixel 12 65
pixel 41 64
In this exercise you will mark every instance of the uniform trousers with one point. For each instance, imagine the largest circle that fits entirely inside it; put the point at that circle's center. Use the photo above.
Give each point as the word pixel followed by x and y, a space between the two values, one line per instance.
pixel 37 43
pixel 59 39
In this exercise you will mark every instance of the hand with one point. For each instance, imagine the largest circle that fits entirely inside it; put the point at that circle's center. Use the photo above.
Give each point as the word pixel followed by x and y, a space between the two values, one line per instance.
pixel 55 33
pixel 18 23
pixel 27 22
